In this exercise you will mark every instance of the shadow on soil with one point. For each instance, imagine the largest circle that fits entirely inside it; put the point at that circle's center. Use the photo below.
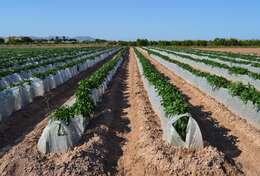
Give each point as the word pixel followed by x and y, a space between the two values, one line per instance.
pixel 215 135
pixel 111 117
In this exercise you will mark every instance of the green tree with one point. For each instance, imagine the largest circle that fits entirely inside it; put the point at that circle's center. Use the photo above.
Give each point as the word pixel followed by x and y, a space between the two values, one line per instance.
pixel 2 41
pixel 142 42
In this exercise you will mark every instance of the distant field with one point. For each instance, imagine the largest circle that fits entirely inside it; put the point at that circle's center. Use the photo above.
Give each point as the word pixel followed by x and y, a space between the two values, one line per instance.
pixel 255 51
pixel 53 45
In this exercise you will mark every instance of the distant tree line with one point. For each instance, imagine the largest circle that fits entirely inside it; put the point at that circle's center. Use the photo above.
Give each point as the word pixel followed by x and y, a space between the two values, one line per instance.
pixel 2 41
pixel 138 42
pixel 215 42
pixel 28 40
pixel 13 40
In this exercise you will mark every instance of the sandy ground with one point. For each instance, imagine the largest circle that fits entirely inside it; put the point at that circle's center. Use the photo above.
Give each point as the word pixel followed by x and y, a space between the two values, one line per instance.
pixel 125 138
pixel 221 128
pixel 255 51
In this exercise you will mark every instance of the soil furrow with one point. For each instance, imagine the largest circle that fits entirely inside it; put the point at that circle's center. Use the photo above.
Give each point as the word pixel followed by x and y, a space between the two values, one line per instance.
pixel 146 153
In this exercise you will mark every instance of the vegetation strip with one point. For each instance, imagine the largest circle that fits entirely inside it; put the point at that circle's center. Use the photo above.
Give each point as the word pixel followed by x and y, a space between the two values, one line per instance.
pixel 244 92
pixel 84 104
pixel 50 71
pixel 171 99
pixel 216 57
pixel 28 66
pixel 227 59
pixel 42 75
pixel 233 55
pixel 232 70
pixel 16 57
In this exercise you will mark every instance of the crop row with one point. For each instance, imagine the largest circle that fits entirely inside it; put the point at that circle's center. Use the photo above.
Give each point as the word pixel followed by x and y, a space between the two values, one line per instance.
pixel 15 98
pixel 84 104
pixel 244 92
pixel 240 99
pixel 171 99
pixel 226 59
pixel 43 70
pixel 232 70
pixel 14 63
pixel 179 128
pixel 16 56
pixel 251 65
pixel 44 62
pixel 234 55
pixel 68 123
pixel 245 79
pixel 231 56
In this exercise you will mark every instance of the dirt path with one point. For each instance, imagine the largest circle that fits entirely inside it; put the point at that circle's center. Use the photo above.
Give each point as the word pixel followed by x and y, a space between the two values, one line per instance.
pixel 12 133
pixel 233 136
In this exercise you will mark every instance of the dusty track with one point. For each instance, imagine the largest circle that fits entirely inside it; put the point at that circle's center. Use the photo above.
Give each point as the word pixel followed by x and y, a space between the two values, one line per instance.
pixel 125 138
pixel 239 141
pixel 22 122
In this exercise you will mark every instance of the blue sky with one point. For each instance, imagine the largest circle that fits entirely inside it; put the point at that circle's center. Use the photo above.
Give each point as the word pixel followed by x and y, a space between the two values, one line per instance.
pixel 128 20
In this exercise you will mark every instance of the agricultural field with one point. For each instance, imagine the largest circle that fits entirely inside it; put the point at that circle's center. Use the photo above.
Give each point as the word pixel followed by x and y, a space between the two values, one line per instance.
pixel 117 110
pixel 250 50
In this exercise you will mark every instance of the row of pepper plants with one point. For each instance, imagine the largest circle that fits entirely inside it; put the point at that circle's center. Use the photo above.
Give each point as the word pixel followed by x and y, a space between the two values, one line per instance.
pixel 54 70
pixel 45 62
pixel 232 70
pixel 234 56
pixel 72 63
pixel 171 98
pixel 244 92
pixel 84 104
pixel 218 57
pixel 17 56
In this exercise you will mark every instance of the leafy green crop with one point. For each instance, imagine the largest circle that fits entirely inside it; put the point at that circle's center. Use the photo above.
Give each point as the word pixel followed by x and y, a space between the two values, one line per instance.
pixel 218 57
pixel 84 104
pixel 17 84
pixel 26 64
pixel 232 70
pixel 244 92
pixel 45 74
pixel 64 113
pixel 171 98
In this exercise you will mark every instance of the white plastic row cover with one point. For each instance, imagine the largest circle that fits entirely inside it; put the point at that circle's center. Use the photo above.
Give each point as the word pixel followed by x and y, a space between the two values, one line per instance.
pixel 193 134
pixel 58 137
pixel 14 99
pixel 247 110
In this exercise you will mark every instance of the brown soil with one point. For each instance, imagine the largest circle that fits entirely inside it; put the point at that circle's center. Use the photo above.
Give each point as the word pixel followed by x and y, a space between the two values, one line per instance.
pixel 149 152
pixel 125 138
pixel 255 51
pixel 239 141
